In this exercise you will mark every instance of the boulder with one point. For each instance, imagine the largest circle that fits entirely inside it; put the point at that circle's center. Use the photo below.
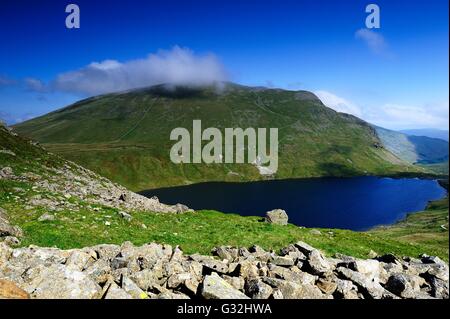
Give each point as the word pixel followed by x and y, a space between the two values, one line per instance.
pixel 402 285
pixel 60 282
pixel 277 216
pixel 125 216
pixel 293 290
pixel 215 287
pixel 9 290
pixel 257 289
pixel 132 289
pixel 286 261
pixel 317 264
pixel 113 291
pixel 369 288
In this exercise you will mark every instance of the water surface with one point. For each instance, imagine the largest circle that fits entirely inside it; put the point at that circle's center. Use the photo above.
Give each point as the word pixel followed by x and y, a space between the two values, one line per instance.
pixel 350 203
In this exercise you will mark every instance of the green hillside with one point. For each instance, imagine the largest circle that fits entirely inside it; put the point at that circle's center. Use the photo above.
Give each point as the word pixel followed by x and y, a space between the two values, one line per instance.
pixel 79 223
pixel 125 136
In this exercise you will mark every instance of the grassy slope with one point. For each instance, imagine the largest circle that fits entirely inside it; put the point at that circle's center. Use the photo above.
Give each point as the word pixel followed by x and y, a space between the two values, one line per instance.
pixel 125 137
pixel 428 228
pixel 203 230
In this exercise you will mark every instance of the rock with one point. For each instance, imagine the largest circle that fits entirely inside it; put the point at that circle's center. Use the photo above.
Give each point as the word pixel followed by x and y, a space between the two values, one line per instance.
pixel 369 288
pixel 59 282
pixel 46 217
pixel 124 197
pixel 211 264
pixel 315 232
pixel 6 172
pixel 160 271
pixel 145 279
pixel 293 290
pixel 317 264
pixel 78 260
pixel 99 271
pixel 277 216
pixel 11 240
pixel 388 258
pixel 370 268
pixel 327 286
pixel 180 208
pixel 283 261
pixel 400 285
pixel 176 280
pixel 215 287
pixel 119 262
pixel 247 269
pixel 225 253
pixel 345 289
pixel 9 290
pixel 113 291
pixel 304 248
pixel 172 295
pixel 236 282
pixel 132 289
pixel 439 288
pixel 257 289
pixel 125 216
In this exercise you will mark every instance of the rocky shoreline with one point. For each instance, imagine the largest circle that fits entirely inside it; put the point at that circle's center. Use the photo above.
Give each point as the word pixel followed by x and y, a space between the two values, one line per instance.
pixel 157 271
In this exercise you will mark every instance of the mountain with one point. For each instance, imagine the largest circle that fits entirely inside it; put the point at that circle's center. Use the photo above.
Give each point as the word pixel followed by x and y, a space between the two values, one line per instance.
pixel 429 153
pixel 125 136
pixel 433 133
pixel 414 149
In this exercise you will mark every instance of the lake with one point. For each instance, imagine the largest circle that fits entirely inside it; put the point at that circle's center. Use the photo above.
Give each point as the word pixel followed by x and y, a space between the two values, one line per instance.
pixel 357 203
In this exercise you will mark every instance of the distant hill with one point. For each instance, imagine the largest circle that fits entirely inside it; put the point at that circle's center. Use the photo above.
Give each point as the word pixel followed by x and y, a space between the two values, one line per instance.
pixel 125 136
pixel 431 153
pixel 433 133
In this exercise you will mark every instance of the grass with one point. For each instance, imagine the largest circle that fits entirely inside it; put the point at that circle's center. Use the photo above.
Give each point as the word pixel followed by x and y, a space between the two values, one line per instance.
pixel 201 231
pixel 428 228
pixel 196 232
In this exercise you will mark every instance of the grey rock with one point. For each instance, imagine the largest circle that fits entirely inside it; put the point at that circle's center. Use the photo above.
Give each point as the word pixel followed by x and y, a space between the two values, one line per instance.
pixel 277 216
pixel 113 291
pixel 317 264
pixel 125 216
pixel 283 261
pixel 46 217
pixel 59 282
pixel 369 288
pixel 257 289
pixel 215 287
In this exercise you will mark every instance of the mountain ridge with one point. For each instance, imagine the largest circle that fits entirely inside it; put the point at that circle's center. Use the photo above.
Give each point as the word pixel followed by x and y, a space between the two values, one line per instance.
pixel 125 136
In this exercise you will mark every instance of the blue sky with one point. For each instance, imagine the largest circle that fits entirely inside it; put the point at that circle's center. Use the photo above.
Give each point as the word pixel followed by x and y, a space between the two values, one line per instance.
pixel 395 76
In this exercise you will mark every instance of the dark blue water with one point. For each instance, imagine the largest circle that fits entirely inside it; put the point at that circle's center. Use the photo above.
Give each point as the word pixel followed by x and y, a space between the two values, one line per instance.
pixel 349 203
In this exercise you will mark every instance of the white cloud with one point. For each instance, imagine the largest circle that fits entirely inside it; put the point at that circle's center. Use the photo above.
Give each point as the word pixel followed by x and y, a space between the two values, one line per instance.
pixel 408 117
pixel 36 85
pixel 375 41
pixel 177 66
pixel 390 115
pixel 337 103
